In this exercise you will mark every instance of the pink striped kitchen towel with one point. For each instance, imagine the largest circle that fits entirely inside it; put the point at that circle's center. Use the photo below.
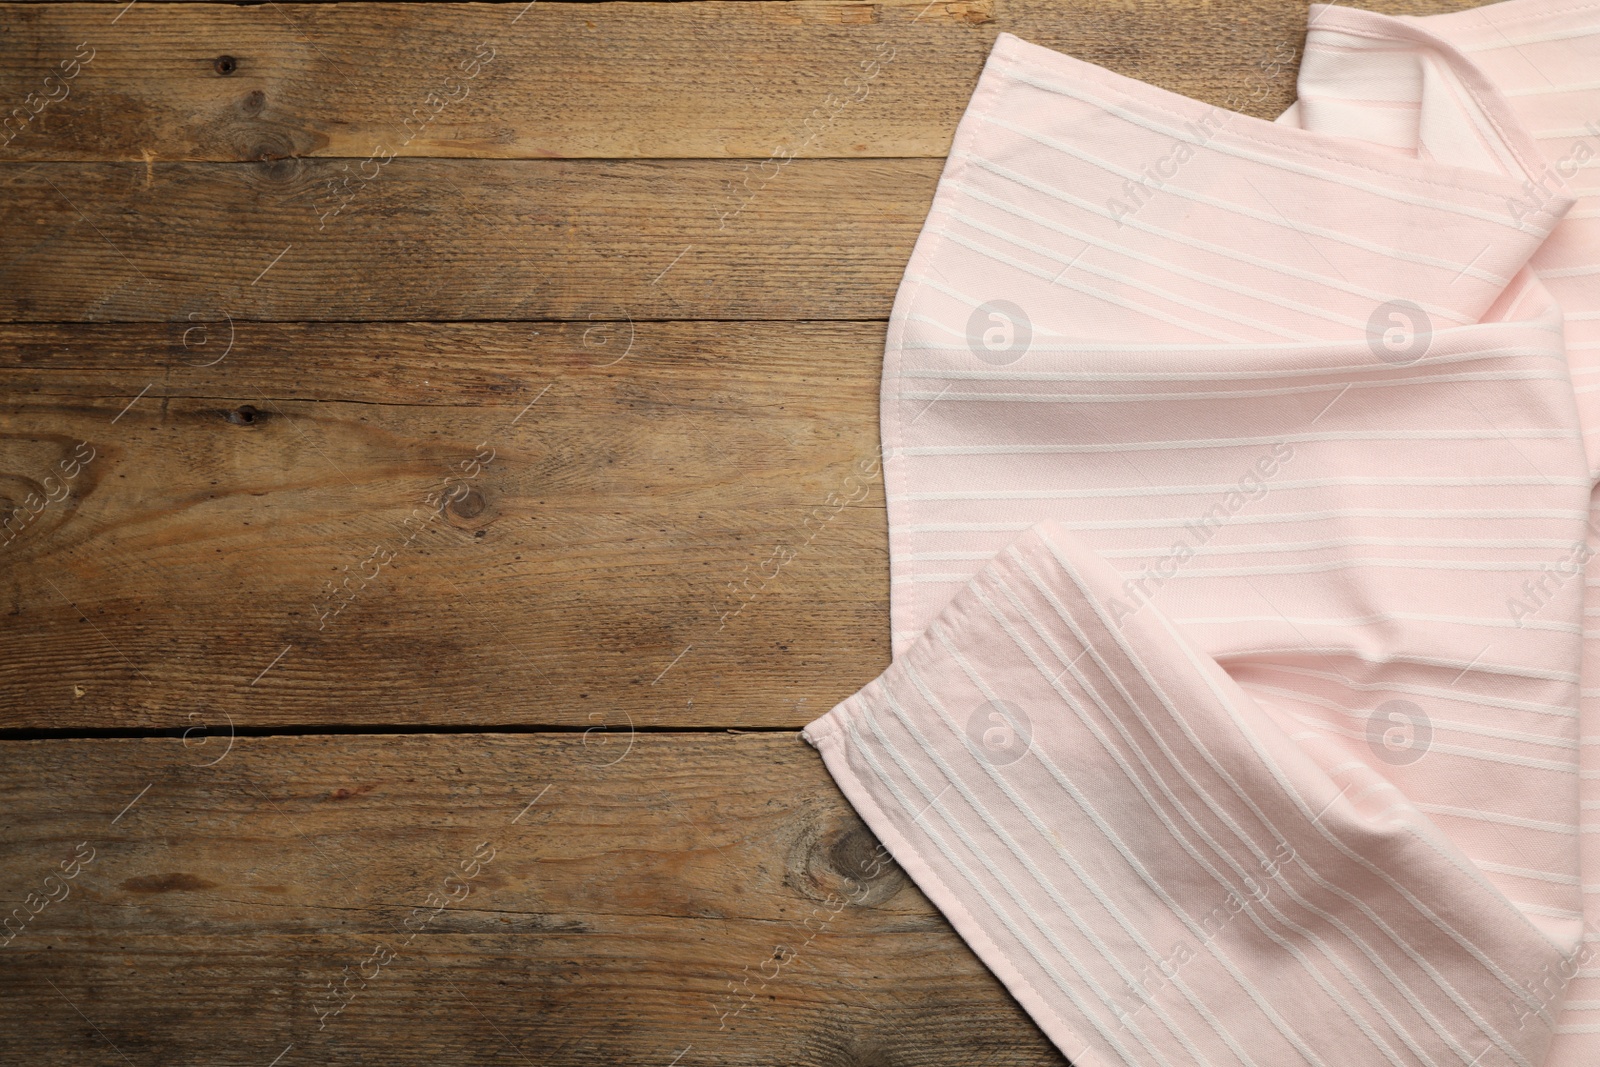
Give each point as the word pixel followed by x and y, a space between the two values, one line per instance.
pixel 1239 482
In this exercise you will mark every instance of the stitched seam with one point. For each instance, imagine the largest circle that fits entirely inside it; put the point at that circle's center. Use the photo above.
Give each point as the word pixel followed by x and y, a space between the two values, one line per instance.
pixel 1503 18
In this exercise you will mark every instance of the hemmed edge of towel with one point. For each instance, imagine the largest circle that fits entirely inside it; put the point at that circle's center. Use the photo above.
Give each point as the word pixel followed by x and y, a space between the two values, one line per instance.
pixel 1145 655
pixel 824 734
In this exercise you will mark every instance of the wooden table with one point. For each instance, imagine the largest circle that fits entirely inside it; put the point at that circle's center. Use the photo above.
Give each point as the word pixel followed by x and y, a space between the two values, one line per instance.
pixel 439 441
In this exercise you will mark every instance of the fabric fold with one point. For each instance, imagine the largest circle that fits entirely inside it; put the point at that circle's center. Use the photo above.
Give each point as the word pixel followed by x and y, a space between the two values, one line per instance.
pixel 1239 478
pixel 1065 784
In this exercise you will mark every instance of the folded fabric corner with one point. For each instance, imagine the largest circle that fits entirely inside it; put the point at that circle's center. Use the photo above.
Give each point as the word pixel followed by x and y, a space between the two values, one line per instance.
pixel 1149 860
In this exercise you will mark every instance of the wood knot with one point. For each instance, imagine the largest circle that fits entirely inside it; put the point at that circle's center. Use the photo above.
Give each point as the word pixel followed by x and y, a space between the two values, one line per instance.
pixel 835 1049
pixel 55 471
pixel 856 854
pixel 470 505
pixel 842 860
pixel 281 159
pixel 225 65
pixel 245 415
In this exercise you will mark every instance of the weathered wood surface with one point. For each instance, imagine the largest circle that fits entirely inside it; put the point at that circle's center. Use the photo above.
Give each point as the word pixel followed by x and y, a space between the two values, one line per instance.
pixel 637 508
pixel 267 417
pixel 704 892
pixel 628 80
pixel 456 239
pixel 345 835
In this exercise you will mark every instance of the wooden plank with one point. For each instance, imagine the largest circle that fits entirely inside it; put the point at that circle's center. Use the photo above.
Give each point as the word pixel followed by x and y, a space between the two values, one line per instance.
pixel 814 78
pixel 321 835
pixel 716 488
pixel 652 994
pixel 456 239
pixel 709 897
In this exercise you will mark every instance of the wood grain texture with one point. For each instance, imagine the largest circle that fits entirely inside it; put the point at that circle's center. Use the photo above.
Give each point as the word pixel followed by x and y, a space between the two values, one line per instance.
pixel 545 405
pixel 816 78
pixel 345 835
pixel 706 896
pixel 713 485
pixel 455 240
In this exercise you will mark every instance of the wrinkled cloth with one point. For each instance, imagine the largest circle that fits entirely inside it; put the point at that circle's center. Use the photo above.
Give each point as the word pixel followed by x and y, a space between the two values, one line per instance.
pixel 1239 480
